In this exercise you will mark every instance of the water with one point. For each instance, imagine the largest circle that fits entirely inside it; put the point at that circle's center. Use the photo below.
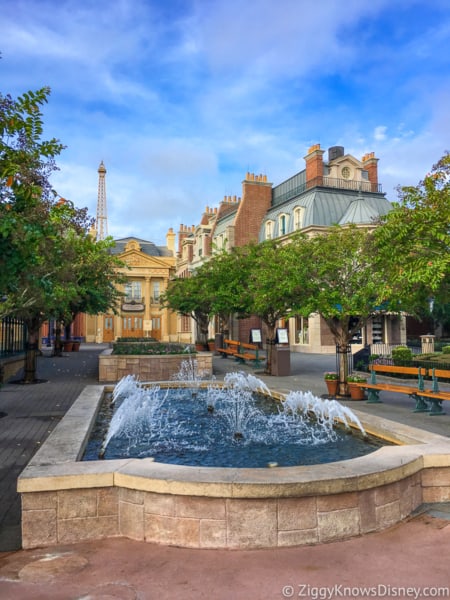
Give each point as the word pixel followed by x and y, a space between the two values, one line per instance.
pixel 239 425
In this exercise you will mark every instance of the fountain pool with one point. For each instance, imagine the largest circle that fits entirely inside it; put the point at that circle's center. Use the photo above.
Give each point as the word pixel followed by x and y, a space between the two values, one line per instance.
pixel 235 424
pixel 66 499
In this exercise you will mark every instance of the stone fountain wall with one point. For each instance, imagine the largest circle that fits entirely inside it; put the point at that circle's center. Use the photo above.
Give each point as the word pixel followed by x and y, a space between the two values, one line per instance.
pixel 65 500
pixel 161 367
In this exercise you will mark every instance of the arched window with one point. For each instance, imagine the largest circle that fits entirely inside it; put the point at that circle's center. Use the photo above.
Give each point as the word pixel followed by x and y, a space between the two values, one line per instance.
pixel 282 224
pixel 269 230
pixel 298 217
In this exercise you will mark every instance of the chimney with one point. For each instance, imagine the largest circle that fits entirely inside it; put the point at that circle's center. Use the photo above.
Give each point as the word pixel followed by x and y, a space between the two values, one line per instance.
pixel 314 166
pixel 170 240
pixel 370 164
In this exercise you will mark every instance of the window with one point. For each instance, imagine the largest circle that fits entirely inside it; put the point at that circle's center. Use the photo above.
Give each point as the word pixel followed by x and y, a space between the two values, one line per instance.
pixel 269 230
pixel 156 290
pixel 185 324
pixel 298 217
pixel 133 290
pixel 302 330
pixel 282 221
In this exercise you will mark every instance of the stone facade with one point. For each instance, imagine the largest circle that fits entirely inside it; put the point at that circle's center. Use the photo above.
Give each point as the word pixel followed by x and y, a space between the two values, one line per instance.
pixel 68 516
pixel 149 368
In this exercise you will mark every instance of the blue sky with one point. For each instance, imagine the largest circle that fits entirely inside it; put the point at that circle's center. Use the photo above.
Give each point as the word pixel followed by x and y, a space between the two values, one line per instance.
pixel 180 98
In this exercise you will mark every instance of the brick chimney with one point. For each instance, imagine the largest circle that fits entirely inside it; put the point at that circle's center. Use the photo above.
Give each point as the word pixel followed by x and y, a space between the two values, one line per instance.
pixel 255 202
pixel 370 164
pixel 314 166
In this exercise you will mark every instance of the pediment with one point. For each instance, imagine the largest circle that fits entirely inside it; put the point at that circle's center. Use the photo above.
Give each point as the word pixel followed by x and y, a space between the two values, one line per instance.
pixel 136 258
pixel 347 159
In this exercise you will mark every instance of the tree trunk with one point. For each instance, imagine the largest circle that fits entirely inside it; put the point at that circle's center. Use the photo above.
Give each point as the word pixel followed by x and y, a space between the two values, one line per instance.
pixel 270 347
pixel 30 364
pixel 57 350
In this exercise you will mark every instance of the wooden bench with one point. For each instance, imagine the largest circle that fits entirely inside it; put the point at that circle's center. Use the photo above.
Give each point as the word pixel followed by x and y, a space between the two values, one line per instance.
pixel 231 348
pixel 436 395
pixel 249 352
pixel 374 387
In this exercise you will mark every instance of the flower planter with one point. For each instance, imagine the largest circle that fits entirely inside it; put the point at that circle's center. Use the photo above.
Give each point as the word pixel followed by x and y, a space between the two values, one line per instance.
pixel 211 346
pixel 356 392
pixel 76 346
pixel 67 346
pixel 332 385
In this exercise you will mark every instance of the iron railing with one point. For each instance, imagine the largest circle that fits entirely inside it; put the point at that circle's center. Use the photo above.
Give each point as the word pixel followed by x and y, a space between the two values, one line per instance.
pixel 13 336
pixel 329 182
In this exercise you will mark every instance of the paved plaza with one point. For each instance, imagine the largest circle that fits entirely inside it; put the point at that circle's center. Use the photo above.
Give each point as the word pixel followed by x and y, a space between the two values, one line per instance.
pixel 413 554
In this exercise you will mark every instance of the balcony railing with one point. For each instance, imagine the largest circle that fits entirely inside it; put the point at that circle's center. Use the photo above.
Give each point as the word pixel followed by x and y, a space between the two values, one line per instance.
pixel 330 182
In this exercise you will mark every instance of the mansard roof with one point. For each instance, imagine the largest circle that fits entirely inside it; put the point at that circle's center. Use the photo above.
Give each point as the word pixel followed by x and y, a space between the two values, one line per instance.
pixel 324 207
pixel 146 247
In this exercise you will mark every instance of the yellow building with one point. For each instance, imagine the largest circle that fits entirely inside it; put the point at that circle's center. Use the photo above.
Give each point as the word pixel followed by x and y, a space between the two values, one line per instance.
pixel 149 268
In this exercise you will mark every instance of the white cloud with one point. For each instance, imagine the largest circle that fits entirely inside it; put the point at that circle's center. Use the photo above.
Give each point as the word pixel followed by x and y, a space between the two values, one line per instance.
pixel 181 99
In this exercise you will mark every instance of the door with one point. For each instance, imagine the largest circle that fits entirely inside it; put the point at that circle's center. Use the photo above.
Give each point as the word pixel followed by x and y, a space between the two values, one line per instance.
pixel 132 327
pixel 108 329
pixel 156 328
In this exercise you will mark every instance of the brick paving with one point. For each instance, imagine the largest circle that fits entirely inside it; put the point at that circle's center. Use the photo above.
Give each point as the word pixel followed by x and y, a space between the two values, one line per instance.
pixel 30 414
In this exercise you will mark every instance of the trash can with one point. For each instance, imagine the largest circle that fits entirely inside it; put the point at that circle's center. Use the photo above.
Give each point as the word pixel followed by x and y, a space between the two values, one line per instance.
pixel 281 360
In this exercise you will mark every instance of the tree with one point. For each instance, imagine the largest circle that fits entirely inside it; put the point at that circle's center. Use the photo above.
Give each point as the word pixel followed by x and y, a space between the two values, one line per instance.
pixel 275 285
pixel 25 192
pixel 414 241
pixel 49 265
pixel 345 287
pixel 189 296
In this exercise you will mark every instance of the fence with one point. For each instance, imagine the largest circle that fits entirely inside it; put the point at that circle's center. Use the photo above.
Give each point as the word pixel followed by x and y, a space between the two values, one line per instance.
pixel 12 337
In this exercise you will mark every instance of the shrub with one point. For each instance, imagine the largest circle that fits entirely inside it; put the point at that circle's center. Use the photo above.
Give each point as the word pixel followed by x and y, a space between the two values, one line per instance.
pixel 445 349
pixel 401 354
pixel 330 376
pixel 356 379
pixel 151 348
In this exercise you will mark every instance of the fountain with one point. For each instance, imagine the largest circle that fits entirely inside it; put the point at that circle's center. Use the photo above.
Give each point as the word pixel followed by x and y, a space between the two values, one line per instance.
pixel 234 424
pixel 66 499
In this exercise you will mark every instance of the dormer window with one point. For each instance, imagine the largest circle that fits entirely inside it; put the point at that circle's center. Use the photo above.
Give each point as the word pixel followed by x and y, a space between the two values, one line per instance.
pixel 282 224
pixel 298 217
pixel 269 230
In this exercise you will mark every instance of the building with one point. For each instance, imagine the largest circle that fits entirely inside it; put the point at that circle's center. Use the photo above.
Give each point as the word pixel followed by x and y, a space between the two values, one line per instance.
pixel 140 313
pixel 334 189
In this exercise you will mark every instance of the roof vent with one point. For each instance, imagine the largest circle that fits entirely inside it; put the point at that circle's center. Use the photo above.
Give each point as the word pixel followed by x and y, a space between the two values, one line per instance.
pixel 335 152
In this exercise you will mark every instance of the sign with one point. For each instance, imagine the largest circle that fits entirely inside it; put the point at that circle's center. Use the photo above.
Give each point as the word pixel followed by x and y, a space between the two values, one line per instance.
pixel 282 336
pixel 147 324
pixel 255 336
pixel 130 307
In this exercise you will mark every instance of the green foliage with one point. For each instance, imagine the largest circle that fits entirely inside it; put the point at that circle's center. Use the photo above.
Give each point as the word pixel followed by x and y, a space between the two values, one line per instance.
pixel 445 349
pixel 356 379
pixel 414 240
pixel 49 264
pixel 401 354
pixel 330 376
pixel 150 348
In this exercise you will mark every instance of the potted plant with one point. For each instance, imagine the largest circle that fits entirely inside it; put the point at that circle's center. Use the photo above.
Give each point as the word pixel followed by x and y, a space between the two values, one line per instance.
pixel 332 382
pixel 356 391
pixel 211 344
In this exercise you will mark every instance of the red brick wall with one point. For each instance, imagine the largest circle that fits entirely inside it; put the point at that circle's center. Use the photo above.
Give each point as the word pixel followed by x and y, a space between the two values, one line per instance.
pixel 255 202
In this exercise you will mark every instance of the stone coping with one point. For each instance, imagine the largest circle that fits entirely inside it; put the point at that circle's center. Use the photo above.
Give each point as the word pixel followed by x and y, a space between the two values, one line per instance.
pixel 57 465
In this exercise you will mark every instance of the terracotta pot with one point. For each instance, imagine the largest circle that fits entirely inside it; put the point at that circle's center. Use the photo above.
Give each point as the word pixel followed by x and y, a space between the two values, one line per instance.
pixel 211 346
pixel 332 385
pixel 67 346
pixel 75 346
pixel 356 392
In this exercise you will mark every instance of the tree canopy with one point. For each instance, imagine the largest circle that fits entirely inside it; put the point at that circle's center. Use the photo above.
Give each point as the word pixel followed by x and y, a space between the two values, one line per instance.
pixel 49 264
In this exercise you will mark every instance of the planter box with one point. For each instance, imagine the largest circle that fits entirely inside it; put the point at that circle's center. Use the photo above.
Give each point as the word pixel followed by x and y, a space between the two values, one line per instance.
pixel 161 367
